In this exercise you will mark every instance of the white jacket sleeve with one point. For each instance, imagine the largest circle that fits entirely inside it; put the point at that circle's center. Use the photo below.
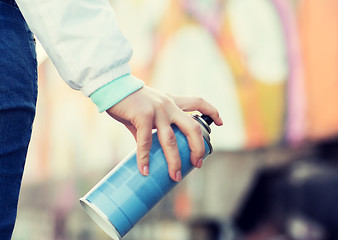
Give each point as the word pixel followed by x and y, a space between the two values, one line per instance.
pixel 82 38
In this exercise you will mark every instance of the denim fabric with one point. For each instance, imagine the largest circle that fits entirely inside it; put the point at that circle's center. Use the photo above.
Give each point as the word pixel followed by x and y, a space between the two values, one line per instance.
pixel 11 2
pixel 18 93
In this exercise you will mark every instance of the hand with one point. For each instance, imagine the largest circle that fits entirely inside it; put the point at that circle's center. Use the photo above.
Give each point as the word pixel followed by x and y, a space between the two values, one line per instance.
pixel 147 109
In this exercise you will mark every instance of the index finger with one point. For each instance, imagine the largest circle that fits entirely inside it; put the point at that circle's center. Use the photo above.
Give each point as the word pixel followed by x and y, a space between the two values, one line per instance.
pixel 199 104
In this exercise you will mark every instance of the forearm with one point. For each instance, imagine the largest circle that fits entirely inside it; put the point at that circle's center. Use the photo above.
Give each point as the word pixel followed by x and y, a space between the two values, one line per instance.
pixel 82 38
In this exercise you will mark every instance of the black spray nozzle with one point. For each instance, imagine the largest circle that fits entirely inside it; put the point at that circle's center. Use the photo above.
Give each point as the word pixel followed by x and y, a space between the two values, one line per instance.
pixel 207 119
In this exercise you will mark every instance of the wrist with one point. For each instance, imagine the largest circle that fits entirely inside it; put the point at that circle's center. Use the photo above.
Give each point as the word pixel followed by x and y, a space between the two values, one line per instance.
pixel 115 91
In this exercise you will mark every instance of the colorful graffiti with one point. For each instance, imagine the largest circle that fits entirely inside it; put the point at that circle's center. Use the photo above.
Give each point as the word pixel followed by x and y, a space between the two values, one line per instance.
pixel 268 65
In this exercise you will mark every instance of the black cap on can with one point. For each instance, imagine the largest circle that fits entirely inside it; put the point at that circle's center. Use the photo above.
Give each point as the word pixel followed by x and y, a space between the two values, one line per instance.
pixel 207 119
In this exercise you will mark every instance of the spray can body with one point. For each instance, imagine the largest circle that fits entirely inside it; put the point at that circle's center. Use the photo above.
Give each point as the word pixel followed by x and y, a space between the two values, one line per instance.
pixel 124 196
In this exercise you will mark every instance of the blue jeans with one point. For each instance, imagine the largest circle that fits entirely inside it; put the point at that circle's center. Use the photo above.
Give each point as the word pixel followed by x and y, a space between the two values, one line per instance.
pixel 18 93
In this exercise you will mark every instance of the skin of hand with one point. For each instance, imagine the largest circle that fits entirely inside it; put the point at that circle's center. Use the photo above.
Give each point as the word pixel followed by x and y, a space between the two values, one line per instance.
pixel 148 109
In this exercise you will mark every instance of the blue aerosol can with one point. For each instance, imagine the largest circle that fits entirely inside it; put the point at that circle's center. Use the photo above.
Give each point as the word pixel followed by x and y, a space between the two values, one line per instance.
pixel 124 195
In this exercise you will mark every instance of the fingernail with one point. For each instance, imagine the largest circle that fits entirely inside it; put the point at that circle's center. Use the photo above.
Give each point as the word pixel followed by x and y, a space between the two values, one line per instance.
pixel 199 163
pixel 178 176
pixel 145 170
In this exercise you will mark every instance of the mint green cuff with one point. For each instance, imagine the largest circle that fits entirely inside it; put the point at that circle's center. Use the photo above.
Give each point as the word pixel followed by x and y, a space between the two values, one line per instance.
pixel 115 91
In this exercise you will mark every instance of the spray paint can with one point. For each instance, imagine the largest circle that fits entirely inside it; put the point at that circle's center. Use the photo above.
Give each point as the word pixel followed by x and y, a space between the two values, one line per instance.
pixel 124 195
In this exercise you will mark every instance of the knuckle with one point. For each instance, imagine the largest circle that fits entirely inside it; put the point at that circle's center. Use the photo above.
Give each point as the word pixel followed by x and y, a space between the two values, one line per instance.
pixel 145 145
pixel 171 140
pixel 198 151
pixel 214 114
pixel 148 113
pixel 142 158
pixel 175 165
pixel 162 104
pixel 142 161
pixel 199 100
pixel 195 126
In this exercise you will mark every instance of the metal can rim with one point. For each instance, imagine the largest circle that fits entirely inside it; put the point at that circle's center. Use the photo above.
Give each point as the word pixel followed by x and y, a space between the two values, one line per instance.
pixel 100 219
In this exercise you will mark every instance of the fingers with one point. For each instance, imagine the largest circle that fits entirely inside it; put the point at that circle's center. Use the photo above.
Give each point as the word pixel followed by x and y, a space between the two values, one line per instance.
pixel 162 117
pixel 192 130
pixel 147 108
pixel 144 140
pixel 198 104
pixel 168 142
